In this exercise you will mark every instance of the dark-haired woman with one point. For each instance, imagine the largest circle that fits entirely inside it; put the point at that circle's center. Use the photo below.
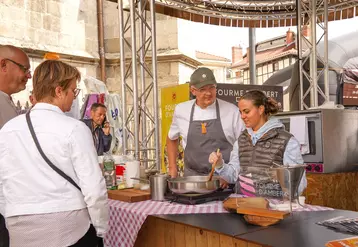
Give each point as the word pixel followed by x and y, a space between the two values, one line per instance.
pixel 263 142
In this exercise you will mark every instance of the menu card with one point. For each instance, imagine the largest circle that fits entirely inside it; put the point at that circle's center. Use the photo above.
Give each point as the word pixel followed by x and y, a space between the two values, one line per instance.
pixel 342 224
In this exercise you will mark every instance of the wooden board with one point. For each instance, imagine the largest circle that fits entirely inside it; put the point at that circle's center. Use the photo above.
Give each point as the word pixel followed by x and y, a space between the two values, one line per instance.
pixel 231 204
pixel 129 195
pixel 255 210
pixel 263 212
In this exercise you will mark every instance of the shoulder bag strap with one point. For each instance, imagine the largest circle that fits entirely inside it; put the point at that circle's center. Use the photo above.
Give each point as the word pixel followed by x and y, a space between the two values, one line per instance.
pixel 55 168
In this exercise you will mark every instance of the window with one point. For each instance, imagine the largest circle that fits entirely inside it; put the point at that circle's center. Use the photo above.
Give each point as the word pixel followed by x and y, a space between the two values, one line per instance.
pixel 280 65
pixel 228 73
pixel 275 66
pixel 286 62
pixel 263 73
pixel 264 69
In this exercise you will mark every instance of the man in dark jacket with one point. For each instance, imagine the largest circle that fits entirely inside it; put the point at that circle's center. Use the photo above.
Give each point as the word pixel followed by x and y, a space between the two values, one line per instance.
pixel 100 128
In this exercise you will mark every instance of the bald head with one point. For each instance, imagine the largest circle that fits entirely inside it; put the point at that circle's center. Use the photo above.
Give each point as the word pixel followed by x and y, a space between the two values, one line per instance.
pixel 14 69
pixel 9 51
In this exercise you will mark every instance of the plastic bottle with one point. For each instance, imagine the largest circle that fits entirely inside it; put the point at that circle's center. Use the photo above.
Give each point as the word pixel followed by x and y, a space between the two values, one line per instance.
pixel 109 171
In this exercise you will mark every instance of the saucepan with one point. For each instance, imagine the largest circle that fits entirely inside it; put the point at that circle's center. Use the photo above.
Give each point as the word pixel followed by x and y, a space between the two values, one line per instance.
pixel 193 185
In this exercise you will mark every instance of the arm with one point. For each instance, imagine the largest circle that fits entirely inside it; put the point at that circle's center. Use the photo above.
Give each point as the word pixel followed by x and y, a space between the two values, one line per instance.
pixel 172 150
pixel 91 181
pixel 2 153
pixel 230 172
pixel 292 156
pixel 172 145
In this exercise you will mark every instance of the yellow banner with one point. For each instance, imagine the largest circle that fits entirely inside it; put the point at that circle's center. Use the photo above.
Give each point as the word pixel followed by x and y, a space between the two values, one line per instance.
pixel 170 97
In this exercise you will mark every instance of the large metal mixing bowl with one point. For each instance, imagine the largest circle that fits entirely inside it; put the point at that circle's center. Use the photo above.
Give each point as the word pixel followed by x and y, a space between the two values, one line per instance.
pixel 193 184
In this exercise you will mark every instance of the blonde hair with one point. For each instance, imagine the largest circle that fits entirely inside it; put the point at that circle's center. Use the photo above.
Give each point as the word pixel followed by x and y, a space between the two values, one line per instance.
pixel 51 74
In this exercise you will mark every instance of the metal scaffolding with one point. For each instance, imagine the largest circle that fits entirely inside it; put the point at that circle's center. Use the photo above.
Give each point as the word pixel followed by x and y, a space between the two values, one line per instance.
pixel 307 17
pixel 141 61
pixel 247 13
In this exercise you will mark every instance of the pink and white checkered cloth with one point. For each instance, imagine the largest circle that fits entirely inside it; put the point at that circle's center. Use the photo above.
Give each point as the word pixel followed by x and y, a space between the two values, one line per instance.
pixel 126 219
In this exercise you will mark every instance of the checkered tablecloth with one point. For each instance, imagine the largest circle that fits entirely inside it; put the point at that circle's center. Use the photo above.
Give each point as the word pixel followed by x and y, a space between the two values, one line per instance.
pixel 126 219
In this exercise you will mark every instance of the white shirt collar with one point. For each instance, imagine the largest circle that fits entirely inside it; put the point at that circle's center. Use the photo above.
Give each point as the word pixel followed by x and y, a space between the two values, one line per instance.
pixel 49 107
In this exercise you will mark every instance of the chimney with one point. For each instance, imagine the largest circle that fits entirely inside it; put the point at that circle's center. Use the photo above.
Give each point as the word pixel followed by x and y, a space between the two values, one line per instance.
pixel 236 54
pixel 306 31
pixel 290 37
pixel 247 54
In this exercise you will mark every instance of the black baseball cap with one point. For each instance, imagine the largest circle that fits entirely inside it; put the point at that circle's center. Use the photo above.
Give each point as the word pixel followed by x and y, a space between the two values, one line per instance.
pixel 202 77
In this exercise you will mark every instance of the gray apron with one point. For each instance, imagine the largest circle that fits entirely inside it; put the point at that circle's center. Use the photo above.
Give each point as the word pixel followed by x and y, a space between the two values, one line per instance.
pixel 199 146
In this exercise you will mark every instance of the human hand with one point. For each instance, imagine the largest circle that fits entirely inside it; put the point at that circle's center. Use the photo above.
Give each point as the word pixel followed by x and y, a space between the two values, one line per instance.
pixel 216 158
pixel 106 128
pixel 173 173
pixel 223 183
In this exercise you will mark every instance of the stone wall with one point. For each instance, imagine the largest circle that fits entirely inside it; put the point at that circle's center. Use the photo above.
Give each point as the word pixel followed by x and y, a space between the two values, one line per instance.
pixel 69 27
pixel 167 40
pixel 63 26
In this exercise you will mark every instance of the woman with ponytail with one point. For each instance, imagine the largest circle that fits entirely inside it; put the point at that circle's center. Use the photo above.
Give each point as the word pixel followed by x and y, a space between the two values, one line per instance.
pixel 264 142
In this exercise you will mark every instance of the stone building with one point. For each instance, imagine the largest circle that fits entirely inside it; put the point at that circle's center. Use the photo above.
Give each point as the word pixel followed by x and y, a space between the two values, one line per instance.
pixel 69 28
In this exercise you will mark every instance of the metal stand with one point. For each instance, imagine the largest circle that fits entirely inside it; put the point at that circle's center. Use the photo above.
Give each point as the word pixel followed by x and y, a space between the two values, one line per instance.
pixel 252 55
pixel 314 14
pixel 141 125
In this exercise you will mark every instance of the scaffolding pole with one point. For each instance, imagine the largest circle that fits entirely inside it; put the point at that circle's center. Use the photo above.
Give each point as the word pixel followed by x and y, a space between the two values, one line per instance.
pixel 138 58
pixel 311 64
pixel 252 55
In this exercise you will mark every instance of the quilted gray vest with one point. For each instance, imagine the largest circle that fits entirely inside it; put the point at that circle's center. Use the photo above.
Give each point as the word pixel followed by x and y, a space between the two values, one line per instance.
pixel 269 148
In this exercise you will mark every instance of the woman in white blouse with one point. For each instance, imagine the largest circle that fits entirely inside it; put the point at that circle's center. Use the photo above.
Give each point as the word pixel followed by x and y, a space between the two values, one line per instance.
pixel 42 207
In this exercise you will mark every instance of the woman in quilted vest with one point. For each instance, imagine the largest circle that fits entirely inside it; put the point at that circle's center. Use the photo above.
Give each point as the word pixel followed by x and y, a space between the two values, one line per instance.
pixel 264 142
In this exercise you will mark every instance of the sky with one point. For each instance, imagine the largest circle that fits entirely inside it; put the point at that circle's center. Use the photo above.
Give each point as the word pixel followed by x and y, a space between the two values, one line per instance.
pixel 203 38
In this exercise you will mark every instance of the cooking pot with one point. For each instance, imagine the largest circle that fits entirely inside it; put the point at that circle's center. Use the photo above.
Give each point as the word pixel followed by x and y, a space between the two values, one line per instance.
pixel 193 185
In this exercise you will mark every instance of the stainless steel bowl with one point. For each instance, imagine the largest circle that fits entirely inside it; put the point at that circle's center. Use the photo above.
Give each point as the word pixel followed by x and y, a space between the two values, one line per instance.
pixel 193 184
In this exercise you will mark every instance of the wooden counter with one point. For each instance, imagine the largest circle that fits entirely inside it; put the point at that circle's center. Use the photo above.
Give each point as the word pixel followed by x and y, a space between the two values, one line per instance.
pixel 230 230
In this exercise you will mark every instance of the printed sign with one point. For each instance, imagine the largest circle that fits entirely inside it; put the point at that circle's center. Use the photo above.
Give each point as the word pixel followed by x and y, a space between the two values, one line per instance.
pixel 170 97
pixel 232 92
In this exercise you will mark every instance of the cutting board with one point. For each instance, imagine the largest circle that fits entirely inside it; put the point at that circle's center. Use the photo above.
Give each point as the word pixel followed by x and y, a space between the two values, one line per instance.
pixel 231 204
pixel 129 195
pixel 255 210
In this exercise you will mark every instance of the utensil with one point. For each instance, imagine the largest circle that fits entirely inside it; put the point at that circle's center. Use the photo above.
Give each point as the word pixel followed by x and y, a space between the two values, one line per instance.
pixel 289 178
pixel 158 186
pixel 213 167
pixel 193 184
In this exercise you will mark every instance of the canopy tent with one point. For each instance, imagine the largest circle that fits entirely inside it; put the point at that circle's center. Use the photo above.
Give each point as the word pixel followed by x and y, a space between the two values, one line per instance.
pixel 245 13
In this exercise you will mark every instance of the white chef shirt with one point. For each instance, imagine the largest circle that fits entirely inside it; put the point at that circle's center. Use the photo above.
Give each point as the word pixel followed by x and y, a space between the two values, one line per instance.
pixel 229 114
pixel 29 184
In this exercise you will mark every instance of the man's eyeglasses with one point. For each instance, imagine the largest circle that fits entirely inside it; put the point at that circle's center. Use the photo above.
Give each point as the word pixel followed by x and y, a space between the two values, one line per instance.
pixel 22 67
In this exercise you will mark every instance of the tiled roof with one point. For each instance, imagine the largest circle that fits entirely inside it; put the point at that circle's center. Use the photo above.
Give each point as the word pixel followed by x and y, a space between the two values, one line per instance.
pixel 206 56
pixel 267 55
